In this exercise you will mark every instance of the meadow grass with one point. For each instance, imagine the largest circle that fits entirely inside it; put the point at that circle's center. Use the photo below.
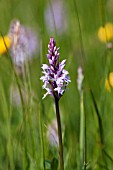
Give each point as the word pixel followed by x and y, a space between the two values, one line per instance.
pixel 86 119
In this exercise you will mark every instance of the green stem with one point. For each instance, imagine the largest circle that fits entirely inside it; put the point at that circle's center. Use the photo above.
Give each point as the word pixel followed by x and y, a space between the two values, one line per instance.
pixel 59 133
pixel 102 10
pixel 80 32
pixel 82 134
pixel 41 112
pixel 103 91
pixel 42 140
pixel 7 120
pixel 85 145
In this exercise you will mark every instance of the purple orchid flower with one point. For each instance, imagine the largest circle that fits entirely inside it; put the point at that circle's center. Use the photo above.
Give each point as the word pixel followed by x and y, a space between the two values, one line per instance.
pixel 55 77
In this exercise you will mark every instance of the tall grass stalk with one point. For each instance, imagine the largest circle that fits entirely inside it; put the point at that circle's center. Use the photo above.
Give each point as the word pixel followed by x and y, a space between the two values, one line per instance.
pixel 41 138
pixel 80 32
pixel 102 10
pixel 105 77
pixel 99 119
pixel 22 101
pixel 82 134
pixel 101 133
pixel 7 118
pixel 107 55
pixel 30 111
pixel 41 112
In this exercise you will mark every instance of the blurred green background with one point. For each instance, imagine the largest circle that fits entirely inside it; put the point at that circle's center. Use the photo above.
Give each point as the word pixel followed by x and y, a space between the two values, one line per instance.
pixel 21 129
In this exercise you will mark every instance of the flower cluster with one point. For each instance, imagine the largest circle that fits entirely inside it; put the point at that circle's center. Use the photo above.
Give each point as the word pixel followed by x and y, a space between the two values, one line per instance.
pixel 55 76
pixel 24 42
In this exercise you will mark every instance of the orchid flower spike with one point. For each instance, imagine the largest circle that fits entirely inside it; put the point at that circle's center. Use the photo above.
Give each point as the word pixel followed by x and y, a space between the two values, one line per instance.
pixel 55 77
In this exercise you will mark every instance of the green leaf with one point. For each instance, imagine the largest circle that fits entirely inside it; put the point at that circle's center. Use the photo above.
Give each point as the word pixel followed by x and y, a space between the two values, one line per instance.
pixel 54 164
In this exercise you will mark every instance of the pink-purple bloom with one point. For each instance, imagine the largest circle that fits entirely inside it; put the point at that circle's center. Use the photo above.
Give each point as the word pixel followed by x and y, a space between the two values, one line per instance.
pixel 56 17
pixel 55 77
pixel 24 43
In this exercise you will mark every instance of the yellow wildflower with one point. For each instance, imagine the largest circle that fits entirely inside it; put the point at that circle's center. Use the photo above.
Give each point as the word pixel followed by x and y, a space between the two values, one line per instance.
pixel 105 34
pixel 109 82
pixel 107 85
pixel 111 79
pixel 4 42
